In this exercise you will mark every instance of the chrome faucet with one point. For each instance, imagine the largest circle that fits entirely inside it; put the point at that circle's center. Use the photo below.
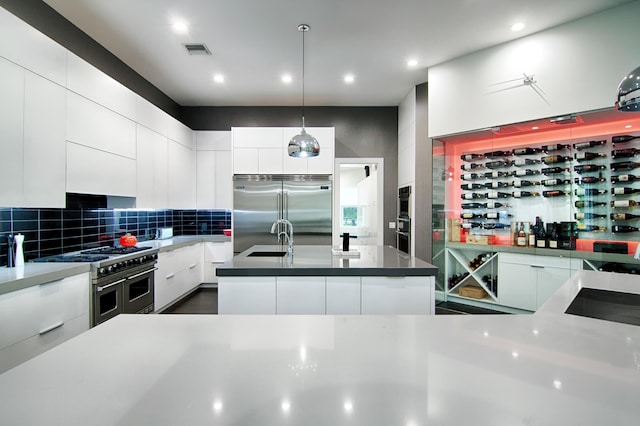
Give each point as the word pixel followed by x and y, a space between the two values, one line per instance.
pixel 289 236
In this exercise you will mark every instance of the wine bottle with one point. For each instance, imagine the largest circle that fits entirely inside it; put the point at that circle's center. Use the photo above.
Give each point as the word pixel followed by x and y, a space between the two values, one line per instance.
pixel 468 206
pixel 470 216
pixel 521 239
pixel 496 215
pixel 589 191
pixel 470 166
pixel 623 138
pixel 496 184
pixel 471 186
pixel 470 157
pixel 555 182
pixel 625 165
pixel 588 168
pixel 495 205
pixel 472 196
pixel 534 232
pixel 552 159
pixel 521 162
pixel 470 176
pixel 589 203
pixel 553 235
pixel 583 216
pixel 541 235
pixel 523 194
pixel 588 179
pixel 470 225
pixel 624 191
pixel 590 144
pixel 522 183
pixel 623 216
pixel 527 172
pixel 495 194
pixel 496 154
pixel 495 226
pixel 497 164
pixel 623 229
pixel 525 151
pixel 624 178
pixel 625 153
pixel 623 203
pixel 554 193
pixel 495 174
pixel 589 228
pixel 554 170
pixel 587 156
pixel 554 147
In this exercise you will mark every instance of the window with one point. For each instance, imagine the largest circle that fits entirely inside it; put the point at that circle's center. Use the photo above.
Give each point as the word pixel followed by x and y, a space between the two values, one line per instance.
pixel 349 216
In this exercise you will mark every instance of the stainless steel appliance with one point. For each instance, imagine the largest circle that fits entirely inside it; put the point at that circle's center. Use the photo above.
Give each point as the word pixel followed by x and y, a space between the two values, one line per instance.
pixel 403 223
pixel 260 200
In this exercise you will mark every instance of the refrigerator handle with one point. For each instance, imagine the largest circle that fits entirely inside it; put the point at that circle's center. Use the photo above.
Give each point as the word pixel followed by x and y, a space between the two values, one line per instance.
pixel 285 205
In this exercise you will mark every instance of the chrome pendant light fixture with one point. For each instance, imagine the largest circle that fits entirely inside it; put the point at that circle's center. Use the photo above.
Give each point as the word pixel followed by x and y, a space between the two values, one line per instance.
pixel 303 144
pixel 629 92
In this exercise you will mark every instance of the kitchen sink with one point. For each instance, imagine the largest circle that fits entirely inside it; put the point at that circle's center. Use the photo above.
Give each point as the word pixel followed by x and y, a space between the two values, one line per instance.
pixel 267 254
pixel 606 305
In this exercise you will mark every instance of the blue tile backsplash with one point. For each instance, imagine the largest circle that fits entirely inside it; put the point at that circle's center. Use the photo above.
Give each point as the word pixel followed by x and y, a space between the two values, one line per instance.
pixel 54 231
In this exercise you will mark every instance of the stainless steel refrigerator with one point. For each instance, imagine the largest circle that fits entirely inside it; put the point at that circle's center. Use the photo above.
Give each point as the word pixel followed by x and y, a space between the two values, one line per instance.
pixel 258 201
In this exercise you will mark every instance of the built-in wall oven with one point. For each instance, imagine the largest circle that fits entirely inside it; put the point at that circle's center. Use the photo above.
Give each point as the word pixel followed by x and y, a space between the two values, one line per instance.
pixel 403 222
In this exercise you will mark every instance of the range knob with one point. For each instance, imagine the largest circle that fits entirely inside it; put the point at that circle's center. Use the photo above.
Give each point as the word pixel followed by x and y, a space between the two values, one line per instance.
pixel 102 272
pixel 110 269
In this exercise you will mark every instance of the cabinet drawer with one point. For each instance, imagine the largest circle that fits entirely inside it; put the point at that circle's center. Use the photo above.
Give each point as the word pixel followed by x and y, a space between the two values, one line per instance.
pixel 558 262
pixel 521 259
pixel 397 295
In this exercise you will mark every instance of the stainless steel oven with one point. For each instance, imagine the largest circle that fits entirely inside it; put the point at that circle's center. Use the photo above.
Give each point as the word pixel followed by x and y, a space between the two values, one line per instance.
pixel 403 222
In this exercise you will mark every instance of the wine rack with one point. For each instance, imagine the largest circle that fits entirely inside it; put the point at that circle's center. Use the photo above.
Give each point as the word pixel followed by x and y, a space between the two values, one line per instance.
pixel 469 267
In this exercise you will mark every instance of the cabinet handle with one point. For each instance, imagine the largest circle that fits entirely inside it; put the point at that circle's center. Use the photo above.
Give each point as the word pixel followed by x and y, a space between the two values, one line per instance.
pixel 219 262
pixel 170 276
pixel 537 266
pixel 192 266
pixel 51 328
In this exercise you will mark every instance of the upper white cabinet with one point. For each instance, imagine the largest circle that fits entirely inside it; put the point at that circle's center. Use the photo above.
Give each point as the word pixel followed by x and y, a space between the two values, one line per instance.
pixel 151 169
pixel 11 132
pixel 214 172
pixel 181 180
pixel 263 150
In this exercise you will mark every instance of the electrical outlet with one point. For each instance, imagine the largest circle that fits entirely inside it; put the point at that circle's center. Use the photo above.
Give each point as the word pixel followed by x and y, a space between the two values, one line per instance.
pixel 392 225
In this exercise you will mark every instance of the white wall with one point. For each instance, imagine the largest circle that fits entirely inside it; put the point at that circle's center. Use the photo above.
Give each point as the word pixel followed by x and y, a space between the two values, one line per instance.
pixel 577 67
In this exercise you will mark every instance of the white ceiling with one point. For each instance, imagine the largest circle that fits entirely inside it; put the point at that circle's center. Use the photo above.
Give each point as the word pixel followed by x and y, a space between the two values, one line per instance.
pixel 255 41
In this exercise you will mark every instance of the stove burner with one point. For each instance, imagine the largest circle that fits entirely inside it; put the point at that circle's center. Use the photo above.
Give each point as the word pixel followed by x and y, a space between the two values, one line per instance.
pixel 115 250
pixel 72 258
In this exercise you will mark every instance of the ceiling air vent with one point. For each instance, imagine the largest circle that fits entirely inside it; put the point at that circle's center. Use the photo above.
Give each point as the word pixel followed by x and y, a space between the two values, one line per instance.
pixel 197 49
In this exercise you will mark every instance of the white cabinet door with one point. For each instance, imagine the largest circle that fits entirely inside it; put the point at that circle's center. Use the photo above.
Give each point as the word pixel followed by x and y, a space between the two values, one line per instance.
pixel 256 137
pixel 206 179
pixel 215 254
pixel 245 161
pixel 223 180
pixel 11 133
pixel 247 295
pixel 149 143
pixel 167 285
pixel 181 177
pixel 270 161
pixel 300 296
pixel 517 285
pixel 397 295
pixel 323 163
pixel 44 143
pixel 343 295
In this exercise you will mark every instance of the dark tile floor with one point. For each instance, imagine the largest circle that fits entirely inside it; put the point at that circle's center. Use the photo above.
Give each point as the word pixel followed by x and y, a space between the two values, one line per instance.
pixel 205 301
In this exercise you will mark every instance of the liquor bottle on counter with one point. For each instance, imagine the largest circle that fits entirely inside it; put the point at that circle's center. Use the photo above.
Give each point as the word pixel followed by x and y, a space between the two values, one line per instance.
pixel 589 228
pixel 587 156
pixel 552 159
pixel 495 194
pixel 470 176
pixel 623 139
pixel 521 238
pixel 554 193
pixel 553 235
pixel 589 203
pixel 624 191
pixel 623 204
pixel 523 194
pixel 623 229
pixel 590 144
pixel 470 216
pixel 525 151
pixel 472 196
pixel 583 216
pixel 523 183
pixel 495 226
pixel 554 170
pixel 469 206
pixel 527 172
pixel 589 191
pixel 495 174
pixel 495 205
pixel 555 182
pixel 554 147
pixel 541 235
pixel 471 186
pixel 625 153
pixel 470 225
pixel 589 179
pixel 624 178
pixel 496 215
pixel 521 162
pixel 496 154
pixel 588 168
pixel 535 229
pixel 470 157
pixel 470 166
pixel 623 216
pixel 625 165
pixel 497 164
pixel 496 185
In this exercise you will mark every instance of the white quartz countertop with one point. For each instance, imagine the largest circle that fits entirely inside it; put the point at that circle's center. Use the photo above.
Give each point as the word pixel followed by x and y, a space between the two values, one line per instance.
pixel 543 369
pixel 12 279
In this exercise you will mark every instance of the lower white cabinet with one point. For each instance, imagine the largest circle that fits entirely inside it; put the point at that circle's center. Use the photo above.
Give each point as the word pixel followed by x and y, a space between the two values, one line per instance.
pixel 179 272
pixel 247 295
pixel 343 295
pixel 215 254
pixel 300 295
pixel 40 317
pixel 397 295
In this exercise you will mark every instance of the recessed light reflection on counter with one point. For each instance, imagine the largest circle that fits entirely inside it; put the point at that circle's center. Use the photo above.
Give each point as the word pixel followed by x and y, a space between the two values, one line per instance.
pixel 217 406
pixel 557 384
pixel 348 407
pixel 285 406
pixel 303 353
pixel 535 332
pixel 515 354
pixel 286 78
pixel 485 334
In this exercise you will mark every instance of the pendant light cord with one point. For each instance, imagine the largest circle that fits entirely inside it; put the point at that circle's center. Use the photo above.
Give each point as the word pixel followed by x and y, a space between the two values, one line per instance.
pixel 303 28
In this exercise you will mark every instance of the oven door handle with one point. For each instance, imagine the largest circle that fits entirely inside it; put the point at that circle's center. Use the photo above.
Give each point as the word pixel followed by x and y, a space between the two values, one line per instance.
pixel 142 273
pixel 404 234
pixel 104 287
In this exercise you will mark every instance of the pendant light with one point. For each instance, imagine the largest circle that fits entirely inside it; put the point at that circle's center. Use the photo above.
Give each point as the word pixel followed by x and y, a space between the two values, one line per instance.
pixel 303 144
pixel 629 92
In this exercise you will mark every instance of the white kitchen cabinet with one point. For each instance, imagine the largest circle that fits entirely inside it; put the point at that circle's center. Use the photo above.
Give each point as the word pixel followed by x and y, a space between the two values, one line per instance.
pixel 517 285
pixel 247 295
pixel 223 181
pixel 151 169
pixel 181 176
pixel 179 272
pixel 343 296
pixel 245 161
pixel 205 179
pixel 300 295
pixel 257 137
pixel 397 295
pixel 11 133
pixel 215 254
pixel 270 161
pixel 151 116
pixel 40 317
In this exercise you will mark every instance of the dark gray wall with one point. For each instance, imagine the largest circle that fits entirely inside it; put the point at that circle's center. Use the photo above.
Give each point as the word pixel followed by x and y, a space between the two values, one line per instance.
pixel 424 176
pixel 361 132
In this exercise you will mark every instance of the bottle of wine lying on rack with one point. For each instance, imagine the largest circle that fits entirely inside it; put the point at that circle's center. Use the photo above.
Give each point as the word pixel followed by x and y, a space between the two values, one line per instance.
pixel 623 216
pixel 583 216
pixel 525 151
pixel 587 156
pixel 495 205
pixel 623 139
pixel 590 144
pixel 588 168
pixel 523 194
pixel 470 157
pixel 494 195
pixel 552 159
pixel 496 185
pixel 521 162
pixel 588 179
pixel 523 183
pixel 623 204
pixel 469 206
pixel 625 153
pixel 496 154
pixel 624 229
pixel 470 176
pixel 624 191
pixel 554 147
pixel 471 186
pixel 624 178
pixel 589 203
pixel 555 182
pixel 554 193
pixel 495 174
pixel 496 215
pixel 470 216
pixel 589 191
pixel 590 228
pixel 625 165
pixel 470 166
pixel 472 196
pixel 495 226
pixel 497 164
pixel 554 170
pixel 470 225
pixel 527 172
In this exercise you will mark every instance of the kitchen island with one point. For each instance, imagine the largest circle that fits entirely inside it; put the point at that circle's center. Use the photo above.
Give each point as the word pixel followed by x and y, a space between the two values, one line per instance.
pixel 380 280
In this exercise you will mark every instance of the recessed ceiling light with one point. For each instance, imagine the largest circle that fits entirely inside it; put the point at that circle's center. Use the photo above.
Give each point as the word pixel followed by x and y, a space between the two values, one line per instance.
pixel 349 78
pixel 412 63
pixel 218 78
pixel 180 27
pixel 286 78
pixel 517 26
pixel 628 126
